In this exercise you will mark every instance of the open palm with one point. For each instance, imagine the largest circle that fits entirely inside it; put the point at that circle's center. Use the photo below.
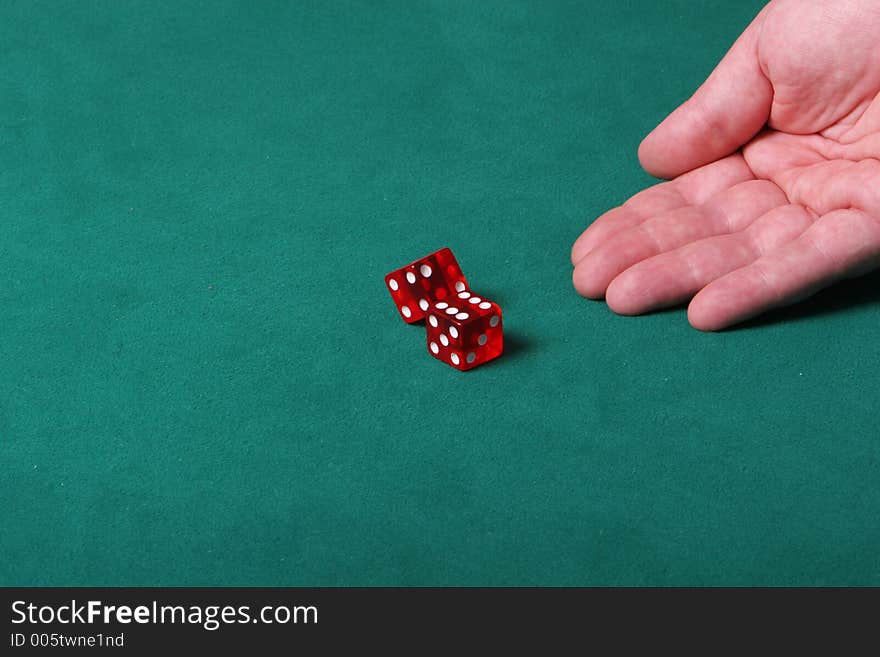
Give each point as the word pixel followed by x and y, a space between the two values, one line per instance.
pixel 777 193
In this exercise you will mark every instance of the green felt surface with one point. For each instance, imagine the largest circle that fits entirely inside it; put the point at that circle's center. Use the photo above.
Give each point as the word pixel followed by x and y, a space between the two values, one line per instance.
pixel 202 377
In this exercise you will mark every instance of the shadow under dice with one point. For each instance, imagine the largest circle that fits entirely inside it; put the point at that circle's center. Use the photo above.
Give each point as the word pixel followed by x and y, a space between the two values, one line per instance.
pixel 464 331
pixel 422 283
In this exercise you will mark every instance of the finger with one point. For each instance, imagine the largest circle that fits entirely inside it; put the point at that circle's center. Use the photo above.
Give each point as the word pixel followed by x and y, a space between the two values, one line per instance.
pixel 725 112
pixel 691 189
pixel 841 244
pixel 674 277
pixel 727 212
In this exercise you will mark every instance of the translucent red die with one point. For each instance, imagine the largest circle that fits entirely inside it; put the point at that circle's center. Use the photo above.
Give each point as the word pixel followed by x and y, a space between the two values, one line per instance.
pixel 465 330
pixel 420 284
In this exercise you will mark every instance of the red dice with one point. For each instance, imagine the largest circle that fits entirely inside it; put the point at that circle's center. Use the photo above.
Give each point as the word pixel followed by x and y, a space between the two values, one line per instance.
pixel 465 331
pixel 421 283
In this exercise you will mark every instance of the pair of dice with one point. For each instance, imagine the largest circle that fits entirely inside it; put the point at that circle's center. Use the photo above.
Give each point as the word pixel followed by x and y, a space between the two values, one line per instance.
pixel 463 329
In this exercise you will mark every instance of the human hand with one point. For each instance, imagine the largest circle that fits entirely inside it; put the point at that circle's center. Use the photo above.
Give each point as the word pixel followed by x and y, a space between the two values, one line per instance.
pixel 776 190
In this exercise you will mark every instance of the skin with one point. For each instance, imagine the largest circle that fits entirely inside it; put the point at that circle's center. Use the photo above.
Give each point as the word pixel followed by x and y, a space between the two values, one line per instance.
pixel 774 168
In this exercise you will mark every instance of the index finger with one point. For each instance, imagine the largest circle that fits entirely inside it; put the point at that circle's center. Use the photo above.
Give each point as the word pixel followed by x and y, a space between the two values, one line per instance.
pixel 692 188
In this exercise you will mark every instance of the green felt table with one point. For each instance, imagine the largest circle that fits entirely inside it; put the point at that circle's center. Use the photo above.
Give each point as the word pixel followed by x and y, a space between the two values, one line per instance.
pixel 203 380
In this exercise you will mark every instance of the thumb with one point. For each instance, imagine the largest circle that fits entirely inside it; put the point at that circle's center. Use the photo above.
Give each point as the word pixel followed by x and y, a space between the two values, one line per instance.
pixel 724 113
